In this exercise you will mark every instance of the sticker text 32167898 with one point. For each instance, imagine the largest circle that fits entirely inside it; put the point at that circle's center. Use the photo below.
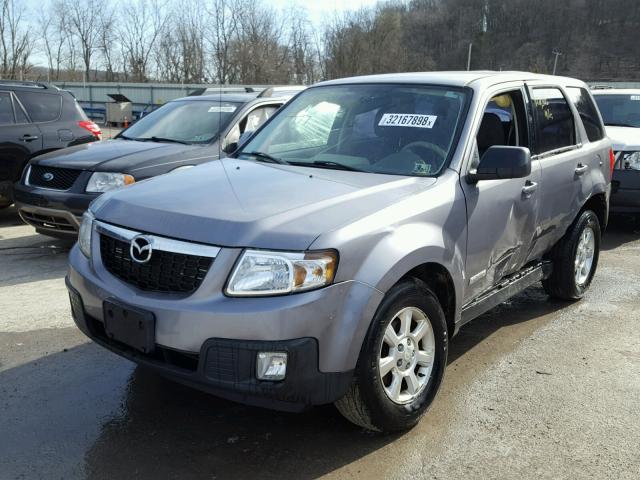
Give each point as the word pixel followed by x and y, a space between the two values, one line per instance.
pixel 407 120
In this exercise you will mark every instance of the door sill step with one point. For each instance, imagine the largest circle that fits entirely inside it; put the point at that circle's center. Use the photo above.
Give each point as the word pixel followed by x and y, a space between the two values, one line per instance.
pixel 506 289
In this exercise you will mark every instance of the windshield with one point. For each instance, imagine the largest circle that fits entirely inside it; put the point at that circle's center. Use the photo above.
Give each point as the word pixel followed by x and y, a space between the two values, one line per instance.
pixel 392 129
pixel 620 110
pixel 195 121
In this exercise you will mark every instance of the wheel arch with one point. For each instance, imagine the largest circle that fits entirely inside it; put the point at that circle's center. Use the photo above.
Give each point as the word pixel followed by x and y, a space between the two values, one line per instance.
pixel 599 205
pixel 440 282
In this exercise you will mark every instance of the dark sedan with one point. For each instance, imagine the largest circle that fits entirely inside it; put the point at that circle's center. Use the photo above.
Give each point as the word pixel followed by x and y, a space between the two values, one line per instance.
pixel 56 188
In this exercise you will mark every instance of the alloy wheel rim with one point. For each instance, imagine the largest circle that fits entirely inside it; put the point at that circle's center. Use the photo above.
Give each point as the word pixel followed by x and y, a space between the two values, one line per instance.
pixel 407 355
pixel 585 253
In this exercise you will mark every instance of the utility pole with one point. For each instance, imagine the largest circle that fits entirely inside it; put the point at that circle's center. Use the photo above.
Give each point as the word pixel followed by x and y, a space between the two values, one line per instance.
pixel 469 57
pixel 556 51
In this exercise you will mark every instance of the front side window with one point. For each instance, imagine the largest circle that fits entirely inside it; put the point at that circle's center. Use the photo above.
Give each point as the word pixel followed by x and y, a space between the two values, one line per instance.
pixel 554 125
pixel 41 107
pixel 6 110
pixel 588 113
pixel 189 121
pixel 392 129
pixel 251 122
pixel 620 110
pixel 503 123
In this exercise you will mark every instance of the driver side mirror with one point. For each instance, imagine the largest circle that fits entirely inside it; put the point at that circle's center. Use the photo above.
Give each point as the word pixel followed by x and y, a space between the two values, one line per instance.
pixel 501 162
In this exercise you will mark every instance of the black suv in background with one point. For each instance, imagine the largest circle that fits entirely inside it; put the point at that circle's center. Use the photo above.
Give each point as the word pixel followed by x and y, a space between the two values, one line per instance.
pixel 56 188
pixel 36 118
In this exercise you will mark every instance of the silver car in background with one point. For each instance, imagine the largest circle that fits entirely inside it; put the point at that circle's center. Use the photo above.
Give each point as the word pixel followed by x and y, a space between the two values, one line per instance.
pixel 333 257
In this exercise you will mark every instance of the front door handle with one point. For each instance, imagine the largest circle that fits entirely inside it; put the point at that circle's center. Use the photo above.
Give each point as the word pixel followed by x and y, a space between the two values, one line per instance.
pixel 529 188
pixel 580 169
pixel 29 138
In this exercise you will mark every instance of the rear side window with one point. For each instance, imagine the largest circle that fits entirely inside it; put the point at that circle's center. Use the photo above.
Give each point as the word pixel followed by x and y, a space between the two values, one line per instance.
pixel 41 107
pixel 554 125
pixel 588 113
pixel 6 111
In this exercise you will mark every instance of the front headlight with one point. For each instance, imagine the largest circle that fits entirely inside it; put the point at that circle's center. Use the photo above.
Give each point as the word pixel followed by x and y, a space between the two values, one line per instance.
pixel 276 273
pixel 631 161
pixel 105 181
pixel 84 236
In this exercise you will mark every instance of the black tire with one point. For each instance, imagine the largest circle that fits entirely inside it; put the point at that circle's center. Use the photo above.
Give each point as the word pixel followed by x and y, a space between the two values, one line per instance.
pixel 366 404
pixel 5 205
pixel 562 283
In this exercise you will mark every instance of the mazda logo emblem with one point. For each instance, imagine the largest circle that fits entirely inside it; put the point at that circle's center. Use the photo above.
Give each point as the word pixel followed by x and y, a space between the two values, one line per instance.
pixel 47 177
pixel 141 249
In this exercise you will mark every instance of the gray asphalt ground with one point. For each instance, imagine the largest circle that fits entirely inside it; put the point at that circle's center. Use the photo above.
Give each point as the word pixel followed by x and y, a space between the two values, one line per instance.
pixel 534 389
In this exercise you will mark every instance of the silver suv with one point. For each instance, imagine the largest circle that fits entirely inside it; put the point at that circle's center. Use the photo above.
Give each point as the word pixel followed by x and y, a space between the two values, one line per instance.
pixel 338 251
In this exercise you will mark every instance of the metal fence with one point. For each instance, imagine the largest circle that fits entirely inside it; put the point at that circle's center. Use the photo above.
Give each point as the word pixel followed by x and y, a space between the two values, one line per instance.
pixel 144 96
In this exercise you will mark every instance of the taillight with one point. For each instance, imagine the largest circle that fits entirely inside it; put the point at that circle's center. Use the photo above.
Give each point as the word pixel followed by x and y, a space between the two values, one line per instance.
pixel 612 162
pixel 91 127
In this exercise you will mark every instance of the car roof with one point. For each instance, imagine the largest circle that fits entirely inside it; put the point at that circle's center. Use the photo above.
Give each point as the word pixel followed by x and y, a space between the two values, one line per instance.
pixel 232 97
pixel 454 78
pixel 224 97
pixel 615 91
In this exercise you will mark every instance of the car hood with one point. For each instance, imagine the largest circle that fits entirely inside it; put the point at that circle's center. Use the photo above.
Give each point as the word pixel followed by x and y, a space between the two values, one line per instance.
pixel 124 156
pixel 241 203
pixel 624 138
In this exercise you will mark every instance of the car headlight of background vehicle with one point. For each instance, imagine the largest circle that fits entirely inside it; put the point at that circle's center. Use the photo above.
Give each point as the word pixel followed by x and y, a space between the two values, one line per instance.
pixel 275 273
pixel 631 160
pixel 84 236
pixel 105 181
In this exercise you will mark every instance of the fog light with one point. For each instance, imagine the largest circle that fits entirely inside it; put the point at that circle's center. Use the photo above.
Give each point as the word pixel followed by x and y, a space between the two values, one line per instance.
pixel 271 365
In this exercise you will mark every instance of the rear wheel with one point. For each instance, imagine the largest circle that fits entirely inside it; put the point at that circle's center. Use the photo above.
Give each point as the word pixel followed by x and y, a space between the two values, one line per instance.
pixel 401 363
pixel 575 259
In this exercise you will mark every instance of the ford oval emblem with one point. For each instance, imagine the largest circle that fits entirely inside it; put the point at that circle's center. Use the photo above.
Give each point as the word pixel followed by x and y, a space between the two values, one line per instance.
pixel 47 177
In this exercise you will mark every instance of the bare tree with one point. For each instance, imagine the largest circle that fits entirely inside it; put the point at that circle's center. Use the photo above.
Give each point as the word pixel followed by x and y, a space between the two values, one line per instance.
pixel 109 46
pixel 83 20
pixel 223 29
pixel 142 23
pixel 16 45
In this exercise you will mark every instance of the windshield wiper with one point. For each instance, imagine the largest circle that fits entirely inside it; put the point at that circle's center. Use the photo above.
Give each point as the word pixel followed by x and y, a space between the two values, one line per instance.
pixel 124 137
pixel 265 157
pixel 621 125
pixel 160 139
pixel 330 164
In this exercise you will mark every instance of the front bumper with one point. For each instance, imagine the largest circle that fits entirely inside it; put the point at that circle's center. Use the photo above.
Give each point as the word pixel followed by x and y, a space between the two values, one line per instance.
pixel 54 212
pixel 206 332
pixel 227 368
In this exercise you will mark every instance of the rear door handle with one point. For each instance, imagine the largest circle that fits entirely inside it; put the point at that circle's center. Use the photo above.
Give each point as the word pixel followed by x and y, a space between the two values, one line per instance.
pixel 580 169
pixel 529 188
pixel 29 138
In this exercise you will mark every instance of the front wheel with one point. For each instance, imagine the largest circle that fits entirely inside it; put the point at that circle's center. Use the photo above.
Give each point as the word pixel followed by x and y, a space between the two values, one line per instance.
pixel 575 259
pixel 401 363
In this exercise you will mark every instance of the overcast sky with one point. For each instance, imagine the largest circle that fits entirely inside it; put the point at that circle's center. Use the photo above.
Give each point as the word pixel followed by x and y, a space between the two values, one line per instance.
pixel 320 10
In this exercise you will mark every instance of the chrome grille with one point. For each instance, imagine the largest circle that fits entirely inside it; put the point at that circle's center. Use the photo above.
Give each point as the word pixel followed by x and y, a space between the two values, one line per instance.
pixel 174 267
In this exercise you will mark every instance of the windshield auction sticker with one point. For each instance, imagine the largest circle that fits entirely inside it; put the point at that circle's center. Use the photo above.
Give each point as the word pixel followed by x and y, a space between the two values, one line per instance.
pixel 222 109
pixel 635 98
pixel 407 120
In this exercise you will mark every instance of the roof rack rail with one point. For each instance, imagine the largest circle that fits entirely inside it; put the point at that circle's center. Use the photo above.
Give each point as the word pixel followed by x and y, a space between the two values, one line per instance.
pixel 601 87
pixel 24 83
